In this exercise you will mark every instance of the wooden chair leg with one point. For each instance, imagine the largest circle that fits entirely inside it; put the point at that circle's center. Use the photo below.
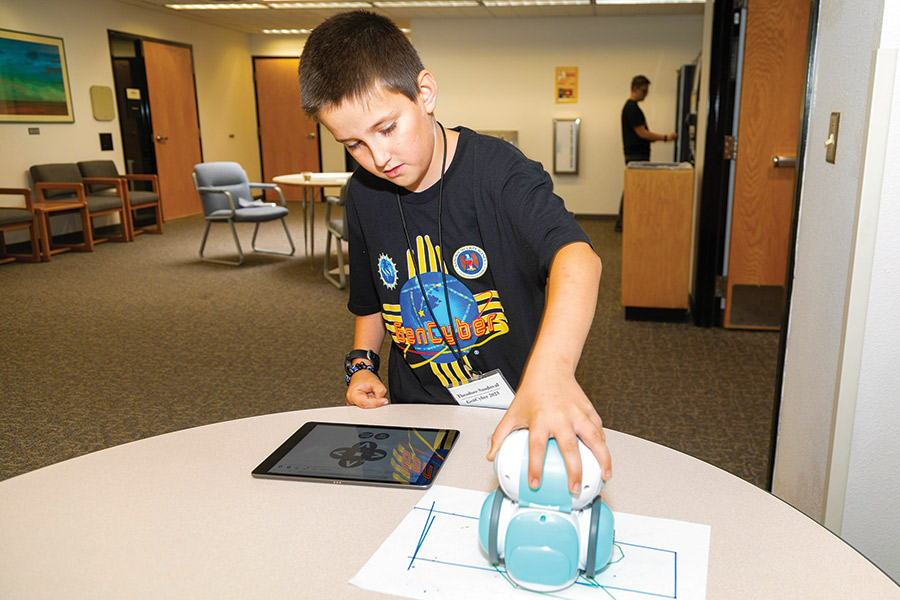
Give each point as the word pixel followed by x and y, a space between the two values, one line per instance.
pixel 3 256
pixel 44 227
pixel 127 225
pixel 35 250
pixel 128 217
pixel 33 256
pixel 158 229
pixel 87 227
pixel 159 220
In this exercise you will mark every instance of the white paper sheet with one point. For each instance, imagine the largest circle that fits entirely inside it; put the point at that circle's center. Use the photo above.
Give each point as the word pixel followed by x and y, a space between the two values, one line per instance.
pixel 434 553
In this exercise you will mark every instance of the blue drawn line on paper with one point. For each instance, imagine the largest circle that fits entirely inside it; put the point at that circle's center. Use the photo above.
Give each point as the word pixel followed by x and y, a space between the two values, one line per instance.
pixel 631 591
pixel 429 519
pixel 647 547
pixel 444 512
pixel 453 564
pixel 582 583
pixel 674 554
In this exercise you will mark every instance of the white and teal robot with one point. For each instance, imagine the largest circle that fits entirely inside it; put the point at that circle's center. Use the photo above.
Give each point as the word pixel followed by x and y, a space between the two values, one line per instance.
pixel 548 536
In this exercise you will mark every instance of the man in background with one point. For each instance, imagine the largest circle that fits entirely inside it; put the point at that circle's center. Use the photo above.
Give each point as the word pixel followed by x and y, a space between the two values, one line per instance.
pixel 636 137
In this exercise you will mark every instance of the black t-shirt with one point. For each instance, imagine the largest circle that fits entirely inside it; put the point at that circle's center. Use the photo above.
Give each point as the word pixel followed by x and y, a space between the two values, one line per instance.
pixel 501 226
pixel 635 145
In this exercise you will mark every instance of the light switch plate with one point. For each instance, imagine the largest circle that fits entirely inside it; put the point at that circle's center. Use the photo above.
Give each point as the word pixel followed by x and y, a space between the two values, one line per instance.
pixel 831 142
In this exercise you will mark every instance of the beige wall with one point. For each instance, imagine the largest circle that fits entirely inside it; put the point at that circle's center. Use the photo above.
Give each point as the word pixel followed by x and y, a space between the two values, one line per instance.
pixel 223 79
pixel 499 74
pixel 847 38
pixel 837 456
pixel 511 88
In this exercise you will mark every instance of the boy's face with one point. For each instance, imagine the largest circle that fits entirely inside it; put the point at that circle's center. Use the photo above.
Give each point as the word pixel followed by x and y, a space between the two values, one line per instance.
pixel 389 135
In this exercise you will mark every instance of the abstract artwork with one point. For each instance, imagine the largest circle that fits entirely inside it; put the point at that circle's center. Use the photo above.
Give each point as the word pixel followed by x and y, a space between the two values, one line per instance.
pixel 34 83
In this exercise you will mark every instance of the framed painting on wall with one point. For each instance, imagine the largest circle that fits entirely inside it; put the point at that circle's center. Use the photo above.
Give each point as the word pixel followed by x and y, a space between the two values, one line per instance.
pixel 34 82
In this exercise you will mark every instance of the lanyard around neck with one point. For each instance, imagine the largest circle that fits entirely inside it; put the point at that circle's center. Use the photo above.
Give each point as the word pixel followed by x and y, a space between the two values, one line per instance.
pixel 457 353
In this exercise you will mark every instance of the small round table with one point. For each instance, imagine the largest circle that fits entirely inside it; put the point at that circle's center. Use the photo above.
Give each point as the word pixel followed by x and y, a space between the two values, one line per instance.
pixel 310 181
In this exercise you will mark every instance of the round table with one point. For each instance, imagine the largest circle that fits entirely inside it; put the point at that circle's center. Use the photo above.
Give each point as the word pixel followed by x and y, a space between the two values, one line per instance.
pixel 310 181
pixel 179 516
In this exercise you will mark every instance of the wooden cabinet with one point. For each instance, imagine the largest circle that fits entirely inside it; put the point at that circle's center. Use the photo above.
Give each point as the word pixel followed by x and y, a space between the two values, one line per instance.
pixel 656 236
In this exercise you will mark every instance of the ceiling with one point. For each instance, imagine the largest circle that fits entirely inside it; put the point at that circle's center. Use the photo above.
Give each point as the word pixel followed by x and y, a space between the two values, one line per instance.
pixel 256 20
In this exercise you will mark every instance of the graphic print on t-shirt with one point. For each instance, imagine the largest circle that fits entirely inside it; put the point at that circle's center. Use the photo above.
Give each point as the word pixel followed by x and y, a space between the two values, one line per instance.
pixel 420 323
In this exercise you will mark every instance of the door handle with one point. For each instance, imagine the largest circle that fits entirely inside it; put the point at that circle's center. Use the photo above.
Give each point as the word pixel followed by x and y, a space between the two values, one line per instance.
pixel 311 136
pixel 784 161
pixel 161 138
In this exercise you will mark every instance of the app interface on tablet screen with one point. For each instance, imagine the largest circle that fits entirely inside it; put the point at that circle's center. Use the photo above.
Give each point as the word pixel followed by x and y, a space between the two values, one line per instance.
pixel 366 453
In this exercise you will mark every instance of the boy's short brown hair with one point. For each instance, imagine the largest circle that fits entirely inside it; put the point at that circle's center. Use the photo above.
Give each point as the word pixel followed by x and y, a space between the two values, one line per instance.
pixel 350 53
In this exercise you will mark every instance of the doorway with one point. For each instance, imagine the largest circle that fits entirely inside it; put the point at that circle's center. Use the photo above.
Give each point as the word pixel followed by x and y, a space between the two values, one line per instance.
pixel 159 120
pixel 288 139
pixel 771 100
pixel 760 60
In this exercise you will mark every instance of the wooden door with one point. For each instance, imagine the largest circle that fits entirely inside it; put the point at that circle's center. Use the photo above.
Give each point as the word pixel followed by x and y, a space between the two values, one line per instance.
pixel 288 140
pixel 176 128
pixel 774 76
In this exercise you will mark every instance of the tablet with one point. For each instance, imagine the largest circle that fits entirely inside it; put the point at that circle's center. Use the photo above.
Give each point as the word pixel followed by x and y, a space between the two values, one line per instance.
pixel 361 454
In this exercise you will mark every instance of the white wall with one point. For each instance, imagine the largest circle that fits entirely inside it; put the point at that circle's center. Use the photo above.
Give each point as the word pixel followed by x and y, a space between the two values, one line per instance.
pixel 511 86
pixel 871 507
pixel 499 74
pixel 221 64
pixel 511 89
pixel 847 37
pixel 837 457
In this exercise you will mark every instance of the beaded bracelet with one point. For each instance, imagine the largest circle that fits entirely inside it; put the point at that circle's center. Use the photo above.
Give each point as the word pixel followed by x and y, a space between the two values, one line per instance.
pixel 359 367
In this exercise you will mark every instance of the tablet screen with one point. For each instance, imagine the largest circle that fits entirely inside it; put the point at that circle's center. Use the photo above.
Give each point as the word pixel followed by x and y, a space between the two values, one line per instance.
pixel 364 454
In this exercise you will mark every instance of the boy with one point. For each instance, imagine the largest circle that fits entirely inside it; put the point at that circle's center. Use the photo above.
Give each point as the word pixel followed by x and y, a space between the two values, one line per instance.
pixel 456 242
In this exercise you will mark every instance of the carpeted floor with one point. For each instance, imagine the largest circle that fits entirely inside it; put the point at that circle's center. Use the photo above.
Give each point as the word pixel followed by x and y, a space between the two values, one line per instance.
pixel 139 339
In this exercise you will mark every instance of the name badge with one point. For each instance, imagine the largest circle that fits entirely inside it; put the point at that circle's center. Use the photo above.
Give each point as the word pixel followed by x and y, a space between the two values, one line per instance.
pixel 489 391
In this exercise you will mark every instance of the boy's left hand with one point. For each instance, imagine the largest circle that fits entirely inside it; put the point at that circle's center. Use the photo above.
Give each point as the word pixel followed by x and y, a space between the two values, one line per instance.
pixel 557 408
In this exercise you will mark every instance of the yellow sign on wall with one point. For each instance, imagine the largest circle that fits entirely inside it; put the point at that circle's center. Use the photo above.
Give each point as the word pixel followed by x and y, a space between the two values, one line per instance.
pixel 566 88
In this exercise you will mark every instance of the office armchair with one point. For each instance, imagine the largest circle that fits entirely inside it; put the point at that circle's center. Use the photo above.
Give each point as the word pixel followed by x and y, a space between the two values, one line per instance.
pixel 336 228
pixel 225 193
pixel 15 217
pixel 92 170
pixel 62 182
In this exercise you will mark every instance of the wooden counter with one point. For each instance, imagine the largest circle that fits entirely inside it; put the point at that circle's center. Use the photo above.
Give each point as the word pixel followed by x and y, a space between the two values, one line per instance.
pixel 656 237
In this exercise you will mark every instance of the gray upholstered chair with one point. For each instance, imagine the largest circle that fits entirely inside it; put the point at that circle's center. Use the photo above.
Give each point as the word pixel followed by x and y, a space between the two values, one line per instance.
pixel 15 217
pixel 62 182
pixel 225 193
pixel 134 199
pixel 335 228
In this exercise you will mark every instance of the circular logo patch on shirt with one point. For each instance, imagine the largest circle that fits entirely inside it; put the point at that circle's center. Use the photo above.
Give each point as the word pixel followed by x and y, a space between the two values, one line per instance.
pixel 426 317
pixel 470 262
pixel 387 271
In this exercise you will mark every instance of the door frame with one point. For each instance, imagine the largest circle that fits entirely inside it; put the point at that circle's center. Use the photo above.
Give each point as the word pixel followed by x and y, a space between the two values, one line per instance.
pixel 792 248
pixel 147 144
pixel 712 212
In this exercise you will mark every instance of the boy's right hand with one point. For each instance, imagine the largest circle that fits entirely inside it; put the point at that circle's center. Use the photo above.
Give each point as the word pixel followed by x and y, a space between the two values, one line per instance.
pixel 366 390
